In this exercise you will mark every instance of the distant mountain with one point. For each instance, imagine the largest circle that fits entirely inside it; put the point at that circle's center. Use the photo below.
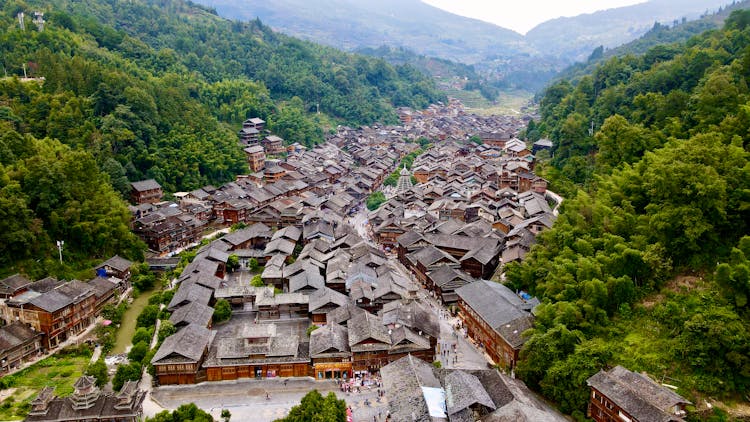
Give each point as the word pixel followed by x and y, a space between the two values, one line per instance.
pixel 352 24
pixel 659 34
pixel 574 38
pixel 504 58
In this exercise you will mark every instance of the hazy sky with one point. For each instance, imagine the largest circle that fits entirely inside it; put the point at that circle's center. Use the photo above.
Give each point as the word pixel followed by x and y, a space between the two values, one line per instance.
pixel 522 15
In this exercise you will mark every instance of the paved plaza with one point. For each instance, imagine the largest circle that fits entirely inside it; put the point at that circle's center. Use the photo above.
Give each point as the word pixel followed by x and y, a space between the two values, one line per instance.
pixel 246 398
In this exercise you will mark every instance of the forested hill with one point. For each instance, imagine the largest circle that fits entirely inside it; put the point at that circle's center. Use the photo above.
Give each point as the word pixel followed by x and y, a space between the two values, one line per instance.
pixel 659 193
pixel 659 34
pixel 138 89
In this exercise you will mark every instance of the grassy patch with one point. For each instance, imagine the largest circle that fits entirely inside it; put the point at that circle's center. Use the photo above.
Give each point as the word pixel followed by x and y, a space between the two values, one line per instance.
pixel 508 102
pixel 59 371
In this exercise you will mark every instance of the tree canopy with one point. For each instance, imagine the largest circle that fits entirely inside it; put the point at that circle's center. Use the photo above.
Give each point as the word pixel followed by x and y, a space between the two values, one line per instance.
pixel 660 193
pixel 316 408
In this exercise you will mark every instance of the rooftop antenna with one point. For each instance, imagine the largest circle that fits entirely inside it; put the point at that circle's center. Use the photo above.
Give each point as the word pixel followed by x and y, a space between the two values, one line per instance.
pixel 20 21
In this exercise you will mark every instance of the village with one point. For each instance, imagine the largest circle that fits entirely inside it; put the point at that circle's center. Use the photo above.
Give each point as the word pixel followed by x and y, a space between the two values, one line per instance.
pixel 399 309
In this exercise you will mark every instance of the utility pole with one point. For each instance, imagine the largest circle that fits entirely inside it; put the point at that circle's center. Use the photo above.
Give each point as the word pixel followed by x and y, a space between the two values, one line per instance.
pixel 60 244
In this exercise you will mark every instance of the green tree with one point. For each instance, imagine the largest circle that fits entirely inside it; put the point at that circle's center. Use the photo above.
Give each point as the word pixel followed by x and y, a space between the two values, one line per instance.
pixel 233 262
pixel 375 200
pixel 256 281
pixel 138 351
pixel 142 334
pixel 253 264
pixel 166 329
pixel 315 407
pixel 226 415
pixel 185 413
pixel 126 372
pixel 222 310
pixel 148 316
pixel 98 370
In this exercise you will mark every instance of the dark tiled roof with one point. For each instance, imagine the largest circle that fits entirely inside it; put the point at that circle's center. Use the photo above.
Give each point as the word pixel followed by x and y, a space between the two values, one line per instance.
pixel 193 313
pixel 363 326
pixel 308 278
pixel 463 390
pixel 448 278
pixel 637 394
pixel 45 285
pixel 404 380
pixel 190 292
pixel 257 230
pixel 188 344
pixel 326 296
pixel 329 339
pixel 15 334
pixel 144 185
pixel 117 262
pixel 499 307
pixel 102 287
pixel 51 301
pixel 13 283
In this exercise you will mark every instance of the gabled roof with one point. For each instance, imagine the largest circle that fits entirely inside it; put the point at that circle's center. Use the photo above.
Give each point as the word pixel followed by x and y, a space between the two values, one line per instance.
pixel 257 230
pixel 192 313
pixel 308 278
pixel 279 245
pixel 117 262
pixel 463 390
pixel 190 292
pixel 364 326
pixel 448 278
pixel 430 255
pixel 15 334
pixel 326 296
pixel 13 283
pixel 637 394
pixel 102 286
pixel 411 314
pixel 409 383
pixel 186 345
pixel 145 185
pixel 330 338
pixel 499 307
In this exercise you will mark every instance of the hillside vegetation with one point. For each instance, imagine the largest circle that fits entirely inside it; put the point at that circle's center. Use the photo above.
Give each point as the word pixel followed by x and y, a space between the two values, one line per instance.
pixel 660 188
pixel 153 89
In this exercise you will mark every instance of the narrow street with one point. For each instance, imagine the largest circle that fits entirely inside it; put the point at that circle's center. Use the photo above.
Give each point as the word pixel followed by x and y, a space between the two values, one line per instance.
pixel 457 344
pixel 360 223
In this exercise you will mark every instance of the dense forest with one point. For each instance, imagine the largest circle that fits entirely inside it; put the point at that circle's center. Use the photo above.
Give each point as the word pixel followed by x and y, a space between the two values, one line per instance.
pixel 647 265
pixel 122 91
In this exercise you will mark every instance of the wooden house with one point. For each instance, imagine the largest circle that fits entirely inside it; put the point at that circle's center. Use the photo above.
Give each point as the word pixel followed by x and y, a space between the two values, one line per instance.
pixel 496 318
pixel 179 358
pixel 18 344
pixel 621 395
pixel 330 353
pixel 145 191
